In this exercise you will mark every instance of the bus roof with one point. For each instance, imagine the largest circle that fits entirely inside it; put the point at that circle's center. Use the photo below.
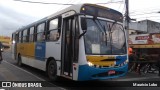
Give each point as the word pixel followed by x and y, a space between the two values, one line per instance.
pixel 77 8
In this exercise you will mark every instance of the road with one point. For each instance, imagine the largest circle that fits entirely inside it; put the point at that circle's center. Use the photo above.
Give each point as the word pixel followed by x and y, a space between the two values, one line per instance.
pixel 9 71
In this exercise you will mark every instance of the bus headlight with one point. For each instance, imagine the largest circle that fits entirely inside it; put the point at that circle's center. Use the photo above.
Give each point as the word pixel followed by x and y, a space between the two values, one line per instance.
pixel 126 61
pixel 13 41
pixel 1 49
pixel 90 64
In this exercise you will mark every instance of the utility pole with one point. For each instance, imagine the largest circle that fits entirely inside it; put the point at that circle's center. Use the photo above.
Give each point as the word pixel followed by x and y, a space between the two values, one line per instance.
pixel 127 19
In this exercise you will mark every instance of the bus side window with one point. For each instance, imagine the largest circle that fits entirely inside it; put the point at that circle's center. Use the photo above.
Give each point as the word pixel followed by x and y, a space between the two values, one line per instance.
pixel 41 32
pixel 17 37
pixel 31 35
pixel 20 36
pixel 25 35
pixel 53 34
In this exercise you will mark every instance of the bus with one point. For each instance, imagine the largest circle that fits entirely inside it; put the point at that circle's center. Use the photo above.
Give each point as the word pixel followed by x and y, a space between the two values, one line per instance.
pixel 82 42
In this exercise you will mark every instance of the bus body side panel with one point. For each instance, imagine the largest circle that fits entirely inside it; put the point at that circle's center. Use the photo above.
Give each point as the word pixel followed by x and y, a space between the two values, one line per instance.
pixel 53 49
pixel 82 56
pixel 28 54
pixel 40 60
pixel 75 71
pixel 81 59
pixel 34 63
pixel 26 49
pixel 40 50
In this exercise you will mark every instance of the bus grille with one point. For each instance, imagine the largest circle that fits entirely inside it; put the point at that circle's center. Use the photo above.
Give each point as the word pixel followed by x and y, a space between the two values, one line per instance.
pixel 115 66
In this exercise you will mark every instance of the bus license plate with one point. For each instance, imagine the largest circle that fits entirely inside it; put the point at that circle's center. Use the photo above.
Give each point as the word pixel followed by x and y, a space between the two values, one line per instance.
pixel 111 72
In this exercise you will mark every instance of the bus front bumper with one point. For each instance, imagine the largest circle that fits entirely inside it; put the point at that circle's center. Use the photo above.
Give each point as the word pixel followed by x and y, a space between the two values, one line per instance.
pixel 92 73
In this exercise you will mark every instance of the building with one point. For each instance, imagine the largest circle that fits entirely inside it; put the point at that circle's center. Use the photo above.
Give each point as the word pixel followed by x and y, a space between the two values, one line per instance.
pixel 144 27
pixel 6 41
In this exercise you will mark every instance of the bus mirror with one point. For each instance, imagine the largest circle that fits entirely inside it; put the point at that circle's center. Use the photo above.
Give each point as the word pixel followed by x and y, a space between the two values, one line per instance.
pixel 83 24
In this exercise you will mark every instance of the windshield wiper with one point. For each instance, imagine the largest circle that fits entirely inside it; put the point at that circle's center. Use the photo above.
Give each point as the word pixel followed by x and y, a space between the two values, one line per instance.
pixel 124 45
pixel 105 35
pixel 110 27
pixel 102 28
pixel 110 35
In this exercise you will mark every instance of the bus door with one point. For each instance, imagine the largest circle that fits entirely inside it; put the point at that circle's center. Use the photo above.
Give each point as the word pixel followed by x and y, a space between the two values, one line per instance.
pixel 14 43
pixel 68 46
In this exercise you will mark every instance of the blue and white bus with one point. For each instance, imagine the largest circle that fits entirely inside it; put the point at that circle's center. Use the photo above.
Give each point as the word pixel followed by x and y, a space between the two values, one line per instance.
pixel 81 42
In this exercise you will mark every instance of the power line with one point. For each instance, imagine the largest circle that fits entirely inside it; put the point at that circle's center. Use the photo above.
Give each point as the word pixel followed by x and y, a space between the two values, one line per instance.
pixel 156 20
pixel 148 17
pixel 119 6
pixel 143 13
pixel 123 10
pixel 41 2
pixel 111 2
pixel 62 3
pixel 146 9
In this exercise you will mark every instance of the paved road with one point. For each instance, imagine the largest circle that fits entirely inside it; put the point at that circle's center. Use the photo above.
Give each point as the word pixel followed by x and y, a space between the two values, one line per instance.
pixel 9 71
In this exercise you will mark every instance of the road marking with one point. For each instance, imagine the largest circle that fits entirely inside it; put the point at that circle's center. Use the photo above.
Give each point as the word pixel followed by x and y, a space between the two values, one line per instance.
pixel 33 75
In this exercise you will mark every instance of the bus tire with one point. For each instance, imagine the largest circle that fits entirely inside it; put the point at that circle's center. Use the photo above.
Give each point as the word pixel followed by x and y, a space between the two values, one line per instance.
pixel 52 70
pixel 19 61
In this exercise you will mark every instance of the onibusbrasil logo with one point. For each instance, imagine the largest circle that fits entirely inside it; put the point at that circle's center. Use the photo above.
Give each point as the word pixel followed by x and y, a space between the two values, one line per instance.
pixel 21 84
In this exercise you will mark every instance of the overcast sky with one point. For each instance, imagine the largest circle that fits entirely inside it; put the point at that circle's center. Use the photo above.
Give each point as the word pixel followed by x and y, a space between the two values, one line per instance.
pixel 15 14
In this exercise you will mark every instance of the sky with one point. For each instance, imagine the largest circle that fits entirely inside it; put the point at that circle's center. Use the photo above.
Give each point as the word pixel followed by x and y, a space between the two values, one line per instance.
pixel 15 14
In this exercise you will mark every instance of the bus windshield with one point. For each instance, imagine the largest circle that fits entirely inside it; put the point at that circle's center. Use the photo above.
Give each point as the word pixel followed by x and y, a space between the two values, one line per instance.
pixel 104 38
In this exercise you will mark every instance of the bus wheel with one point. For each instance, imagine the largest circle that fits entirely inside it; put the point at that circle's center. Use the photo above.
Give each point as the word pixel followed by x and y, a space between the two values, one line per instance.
pixel 19 61
pixel 52 70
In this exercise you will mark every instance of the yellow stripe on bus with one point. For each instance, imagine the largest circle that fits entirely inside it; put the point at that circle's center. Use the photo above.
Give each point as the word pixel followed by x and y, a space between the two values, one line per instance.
pixel 99 60
pixel 104 63
pixel 26 49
